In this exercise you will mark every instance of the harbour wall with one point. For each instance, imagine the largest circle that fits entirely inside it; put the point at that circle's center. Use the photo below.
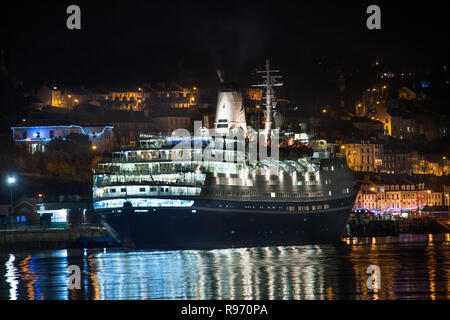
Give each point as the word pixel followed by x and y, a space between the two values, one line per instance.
pixel 368 227
pixel 54 239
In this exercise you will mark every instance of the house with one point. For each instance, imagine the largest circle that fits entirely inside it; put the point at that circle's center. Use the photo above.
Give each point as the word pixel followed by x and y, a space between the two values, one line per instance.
pixel 36 134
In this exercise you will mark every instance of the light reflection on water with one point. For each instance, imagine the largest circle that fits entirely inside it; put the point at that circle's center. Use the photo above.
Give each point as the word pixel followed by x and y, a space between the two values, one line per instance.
pixel 412 267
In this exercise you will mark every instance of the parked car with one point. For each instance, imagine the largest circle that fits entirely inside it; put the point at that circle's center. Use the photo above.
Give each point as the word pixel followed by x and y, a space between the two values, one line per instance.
pixel 362 213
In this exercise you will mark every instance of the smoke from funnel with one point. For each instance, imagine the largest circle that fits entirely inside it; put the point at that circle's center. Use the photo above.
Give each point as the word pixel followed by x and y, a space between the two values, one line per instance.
pixel 220 75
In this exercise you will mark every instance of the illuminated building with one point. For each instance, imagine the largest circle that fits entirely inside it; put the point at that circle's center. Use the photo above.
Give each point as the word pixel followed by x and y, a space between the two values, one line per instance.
pixel 164 96
pixel 36 134
pixel 396 194
pixel 364 156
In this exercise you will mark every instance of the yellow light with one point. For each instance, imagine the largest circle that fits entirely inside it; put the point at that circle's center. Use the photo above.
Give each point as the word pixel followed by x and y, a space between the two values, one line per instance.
pixel 342 147
pixel 359 105
pixel 384 87
pixel 324 110
pixel 139 100
pixel 40 195
pixel 192 99
pixel 257 107
pixel 374 89
pixel 195 88
pixel 94 147
pixel 70 96
pixel 140 89
pixel 76 100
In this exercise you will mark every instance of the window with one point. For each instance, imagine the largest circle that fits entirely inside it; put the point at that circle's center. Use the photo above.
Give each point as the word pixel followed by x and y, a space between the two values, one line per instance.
pixel 123 189
pixel 52 133
pixel 113 190
pixel 141 189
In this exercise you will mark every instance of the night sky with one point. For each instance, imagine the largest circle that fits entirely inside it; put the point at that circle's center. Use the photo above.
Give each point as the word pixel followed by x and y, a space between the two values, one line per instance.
pixel 311 42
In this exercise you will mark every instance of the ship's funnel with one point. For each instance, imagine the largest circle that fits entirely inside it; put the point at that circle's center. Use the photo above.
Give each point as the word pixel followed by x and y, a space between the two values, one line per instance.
pixel 230 112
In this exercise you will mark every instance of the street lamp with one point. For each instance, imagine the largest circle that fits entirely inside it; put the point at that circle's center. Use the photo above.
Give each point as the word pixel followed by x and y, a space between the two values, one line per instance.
pixel 11 181
pixel 257 107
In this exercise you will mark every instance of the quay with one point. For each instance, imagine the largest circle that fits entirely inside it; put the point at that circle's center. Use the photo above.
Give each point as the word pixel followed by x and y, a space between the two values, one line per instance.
pixel 390 226
pixel 43 239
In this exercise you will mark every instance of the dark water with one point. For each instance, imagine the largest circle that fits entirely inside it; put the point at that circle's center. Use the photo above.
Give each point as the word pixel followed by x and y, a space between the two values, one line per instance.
pixel 412 267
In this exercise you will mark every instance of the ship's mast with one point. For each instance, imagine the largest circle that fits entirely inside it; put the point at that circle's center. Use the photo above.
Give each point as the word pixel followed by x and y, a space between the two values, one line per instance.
pixel 270 81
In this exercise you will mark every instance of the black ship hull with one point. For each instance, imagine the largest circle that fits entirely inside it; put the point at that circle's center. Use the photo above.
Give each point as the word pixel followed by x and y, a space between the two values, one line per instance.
pixel 207 228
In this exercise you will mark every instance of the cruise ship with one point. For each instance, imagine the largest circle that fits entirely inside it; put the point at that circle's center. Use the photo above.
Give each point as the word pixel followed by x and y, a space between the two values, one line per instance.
pixel 197 190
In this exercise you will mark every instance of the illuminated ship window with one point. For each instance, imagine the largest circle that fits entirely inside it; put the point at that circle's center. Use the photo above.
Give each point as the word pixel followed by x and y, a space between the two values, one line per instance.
pixel 142 202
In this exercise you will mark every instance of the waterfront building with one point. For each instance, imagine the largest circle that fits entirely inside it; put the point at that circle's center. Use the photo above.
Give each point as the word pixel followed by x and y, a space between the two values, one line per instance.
pixel 396 194
pixel 446 196
pixel 36 134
